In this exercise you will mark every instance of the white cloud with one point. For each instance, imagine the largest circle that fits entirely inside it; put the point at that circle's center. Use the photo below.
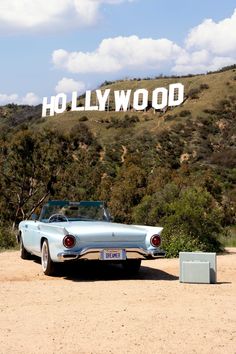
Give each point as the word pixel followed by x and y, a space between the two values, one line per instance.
pixel 200 62
pixel 67 85
pixel 8 98
pixel 25 14
pixel 88 10
pixel 209 47
pixel 28 14
pixel 29 99
pixel 218 38
pixel 115 54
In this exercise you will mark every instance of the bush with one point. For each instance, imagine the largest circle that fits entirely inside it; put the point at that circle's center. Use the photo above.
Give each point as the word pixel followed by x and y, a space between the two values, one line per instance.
pixel 194 223
pixel 170 117
pixel 224 158
pixel 80 133
pixel 7 238
pixel 185 113
pixel 177 240
pixel 154 207
pixel 125 122
pixel 204 87
pixel 193 93
pixel 83 119
pixel 192 219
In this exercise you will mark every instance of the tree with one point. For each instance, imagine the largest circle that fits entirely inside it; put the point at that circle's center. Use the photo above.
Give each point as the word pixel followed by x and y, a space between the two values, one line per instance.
pixel 127 192
pixel 30 166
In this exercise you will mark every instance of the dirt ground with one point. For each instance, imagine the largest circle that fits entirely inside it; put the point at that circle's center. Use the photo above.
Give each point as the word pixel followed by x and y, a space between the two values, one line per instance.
pixel 97 309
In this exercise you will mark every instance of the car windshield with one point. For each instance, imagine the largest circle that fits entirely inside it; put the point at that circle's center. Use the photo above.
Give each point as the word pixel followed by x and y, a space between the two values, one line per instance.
pixel 74 211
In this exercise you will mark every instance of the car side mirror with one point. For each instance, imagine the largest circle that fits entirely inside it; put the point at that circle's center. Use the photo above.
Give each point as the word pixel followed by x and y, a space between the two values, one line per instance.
pixel 34 217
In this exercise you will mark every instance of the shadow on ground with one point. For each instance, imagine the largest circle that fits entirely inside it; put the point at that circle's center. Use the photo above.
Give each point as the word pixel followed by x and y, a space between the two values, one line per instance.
pixel 97 271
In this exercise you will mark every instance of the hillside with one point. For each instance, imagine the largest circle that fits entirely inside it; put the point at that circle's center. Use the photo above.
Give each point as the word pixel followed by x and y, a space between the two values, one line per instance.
pixel 201 92
pixel 204 91
pixel 13 115
pixel 176 168
pixel 190 124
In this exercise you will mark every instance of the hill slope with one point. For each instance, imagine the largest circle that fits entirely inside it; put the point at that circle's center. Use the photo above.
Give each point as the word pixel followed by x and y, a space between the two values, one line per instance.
pixel 176 168
pixel 202 127
pixel 202 92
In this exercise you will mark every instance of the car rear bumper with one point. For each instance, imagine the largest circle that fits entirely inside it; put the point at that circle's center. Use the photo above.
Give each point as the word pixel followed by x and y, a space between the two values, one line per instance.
pixel 94 254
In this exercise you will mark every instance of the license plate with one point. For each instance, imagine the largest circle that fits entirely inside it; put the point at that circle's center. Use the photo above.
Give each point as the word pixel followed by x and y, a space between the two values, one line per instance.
pixel 112 255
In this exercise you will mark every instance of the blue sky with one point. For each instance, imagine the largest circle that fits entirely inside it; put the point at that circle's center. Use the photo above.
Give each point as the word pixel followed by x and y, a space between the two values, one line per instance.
pixel 65 45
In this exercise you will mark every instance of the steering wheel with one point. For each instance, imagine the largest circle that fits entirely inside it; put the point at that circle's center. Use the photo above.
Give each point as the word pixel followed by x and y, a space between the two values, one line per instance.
pixel 57 218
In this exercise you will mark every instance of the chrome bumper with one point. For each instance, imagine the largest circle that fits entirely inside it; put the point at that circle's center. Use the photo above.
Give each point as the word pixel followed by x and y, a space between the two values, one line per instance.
pixel 94 254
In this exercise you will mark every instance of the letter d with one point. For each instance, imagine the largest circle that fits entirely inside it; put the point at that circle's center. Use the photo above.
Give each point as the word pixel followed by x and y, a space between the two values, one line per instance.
pixel 176 94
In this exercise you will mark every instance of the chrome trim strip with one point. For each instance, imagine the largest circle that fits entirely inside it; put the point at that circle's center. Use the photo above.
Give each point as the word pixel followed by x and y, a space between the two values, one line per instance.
pixel 94 254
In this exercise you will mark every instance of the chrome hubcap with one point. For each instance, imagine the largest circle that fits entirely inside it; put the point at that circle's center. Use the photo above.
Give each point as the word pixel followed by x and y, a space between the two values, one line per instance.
pixel 44 256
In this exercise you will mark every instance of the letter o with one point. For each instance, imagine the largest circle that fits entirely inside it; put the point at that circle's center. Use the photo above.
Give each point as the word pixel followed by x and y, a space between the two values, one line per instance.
pixel 140 106
pixel 164 98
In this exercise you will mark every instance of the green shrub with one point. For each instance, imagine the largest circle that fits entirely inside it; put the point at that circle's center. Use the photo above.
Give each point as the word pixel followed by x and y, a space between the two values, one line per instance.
pixel 177 240
pixel 204 87
pixel 83 119
pixel 193 93
pixel 125 122
pixel 7 238
pixel 170 117
pixel 229 240
pixel 191 218
pixel 185 113
pixel 194 222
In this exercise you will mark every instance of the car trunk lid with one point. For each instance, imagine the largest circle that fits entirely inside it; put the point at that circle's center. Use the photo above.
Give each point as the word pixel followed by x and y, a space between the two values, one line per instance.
pixel 105 231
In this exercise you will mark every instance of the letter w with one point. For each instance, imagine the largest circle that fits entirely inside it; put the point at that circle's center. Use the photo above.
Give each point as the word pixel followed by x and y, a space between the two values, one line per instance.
pixel 122 99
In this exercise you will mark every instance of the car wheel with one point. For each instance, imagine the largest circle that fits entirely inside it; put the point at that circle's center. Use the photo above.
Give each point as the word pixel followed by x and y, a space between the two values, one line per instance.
pixel 24 254
pixel 132 266
pixel 47 264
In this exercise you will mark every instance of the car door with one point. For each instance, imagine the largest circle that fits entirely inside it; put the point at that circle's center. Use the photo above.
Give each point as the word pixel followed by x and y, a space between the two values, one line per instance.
pixel 31 231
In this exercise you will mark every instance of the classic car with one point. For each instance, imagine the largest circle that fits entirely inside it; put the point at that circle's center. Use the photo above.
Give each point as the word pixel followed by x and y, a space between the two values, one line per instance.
pixel 68 231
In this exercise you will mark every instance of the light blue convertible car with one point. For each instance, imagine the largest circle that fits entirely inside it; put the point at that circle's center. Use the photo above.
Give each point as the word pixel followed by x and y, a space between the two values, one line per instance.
pixel 69 231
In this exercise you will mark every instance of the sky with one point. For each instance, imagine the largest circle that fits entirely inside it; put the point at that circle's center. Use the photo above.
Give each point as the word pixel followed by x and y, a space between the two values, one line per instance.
pixel 54 46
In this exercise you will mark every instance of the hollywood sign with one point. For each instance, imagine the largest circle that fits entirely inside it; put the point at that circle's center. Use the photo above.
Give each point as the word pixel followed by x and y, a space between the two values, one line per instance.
pixel 161 97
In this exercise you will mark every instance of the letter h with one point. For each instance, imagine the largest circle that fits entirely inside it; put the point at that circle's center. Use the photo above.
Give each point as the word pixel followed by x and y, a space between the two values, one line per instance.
pixel 50 106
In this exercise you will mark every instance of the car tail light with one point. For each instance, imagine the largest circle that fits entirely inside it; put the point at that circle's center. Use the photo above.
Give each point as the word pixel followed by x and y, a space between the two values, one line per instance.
pixel 69 241
pixel 155 240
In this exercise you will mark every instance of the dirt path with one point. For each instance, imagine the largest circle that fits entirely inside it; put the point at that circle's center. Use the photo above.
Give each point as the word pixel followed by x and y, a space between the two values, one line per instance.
pixel 99 310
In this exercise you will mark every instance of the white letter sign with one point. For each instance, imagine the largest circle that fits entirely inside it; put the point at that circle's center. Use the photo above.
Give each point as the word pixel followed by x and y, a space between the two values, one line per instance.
pixel 176 90
pixel 102 98
pixel 156 102
pixel 161 98
pixel 144 98
pixel 122 100
pixel 60 103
